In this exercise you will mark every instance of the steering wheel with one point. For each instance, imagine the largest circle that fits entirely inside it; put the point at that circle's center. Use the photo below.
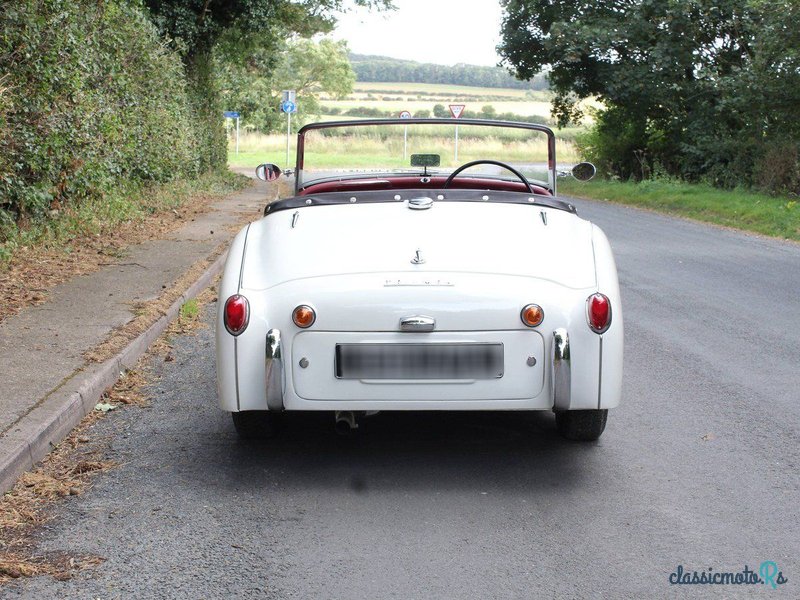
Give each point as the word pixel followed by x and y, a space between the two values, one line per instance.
pixel 496 163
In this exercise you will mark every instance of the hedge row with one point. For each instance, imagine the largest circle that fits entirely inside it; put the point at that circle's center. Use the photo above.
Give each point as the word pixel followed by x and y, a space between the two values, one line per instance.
pixel 91 98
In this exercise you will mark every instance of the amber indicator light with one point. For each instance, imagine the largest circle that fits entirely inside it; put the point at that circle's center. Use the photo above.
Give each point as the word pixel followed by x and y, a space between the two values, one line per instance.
pixel 304 316
pixel 532 315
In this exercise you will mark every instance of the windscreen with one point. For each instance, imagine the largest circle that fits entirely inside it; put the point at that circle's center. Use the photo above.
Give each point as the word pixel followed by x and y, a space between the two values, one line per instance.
pixel 380 150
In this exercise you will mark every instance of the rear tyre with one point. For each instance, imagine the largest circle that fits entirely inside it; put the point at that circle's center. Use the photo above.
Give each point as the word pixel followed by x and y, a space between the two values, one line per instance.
pixel 256 424
pixel 581 425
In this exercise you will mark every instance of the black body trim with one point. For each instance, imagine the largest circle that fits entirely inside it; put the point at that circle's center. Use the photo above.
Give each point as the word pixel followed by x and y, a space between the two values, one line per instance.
pixel 377 196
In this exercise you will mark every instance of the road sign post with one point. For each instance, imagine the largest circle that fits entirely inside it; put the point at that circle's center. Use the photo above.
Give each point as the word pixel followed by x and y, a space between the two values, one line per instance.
pixel 232 114
pixel 405 115
pixel 456 110
pixel 289 106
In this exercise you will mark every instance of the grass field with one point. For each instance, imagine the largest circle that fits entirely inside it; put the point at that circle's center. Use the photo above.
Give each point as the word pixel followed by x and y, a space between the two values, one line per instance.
pixel 373 151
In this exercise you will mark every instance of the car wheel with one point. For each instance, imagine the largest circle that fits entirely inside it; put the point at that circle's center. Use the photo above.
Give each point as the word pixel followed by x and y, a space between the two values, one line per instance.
pixel 581 425
pixel 256 424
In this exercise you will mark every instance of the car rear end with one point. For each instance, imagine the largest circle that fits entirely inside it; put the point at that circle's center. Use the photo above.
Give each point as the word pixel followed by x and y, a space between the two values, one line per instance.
pixel 462 307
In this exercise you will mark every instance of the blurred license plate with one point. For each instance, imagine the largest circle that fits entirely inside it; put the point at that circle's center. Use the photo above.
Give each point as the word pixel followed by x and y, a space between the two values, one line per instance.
pixel 419 361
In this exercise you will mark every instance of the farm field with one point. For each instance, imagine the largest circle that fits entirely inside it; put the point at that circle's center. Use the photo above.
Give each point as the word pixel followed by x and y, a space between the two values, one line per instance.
pixel 399 96
pixel 526 108
pixel 441 89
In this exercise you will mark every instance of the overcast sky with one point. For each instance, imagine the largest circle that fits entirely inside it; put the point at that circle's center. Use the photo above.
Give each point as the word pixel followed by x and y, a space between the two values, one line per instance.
pixel 438 31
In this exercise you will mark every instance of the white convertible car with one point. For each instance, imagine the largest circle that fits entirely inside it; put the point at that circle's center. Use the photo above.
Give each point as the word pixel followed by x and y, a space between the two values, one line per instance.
pixel 422 264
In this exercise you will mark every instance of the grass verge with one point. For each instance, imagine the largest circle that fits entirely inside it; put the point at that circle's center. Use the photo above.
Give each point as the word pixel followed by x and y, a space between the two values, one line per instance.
pixel 101 215
pixel 80 241
pixel 739 209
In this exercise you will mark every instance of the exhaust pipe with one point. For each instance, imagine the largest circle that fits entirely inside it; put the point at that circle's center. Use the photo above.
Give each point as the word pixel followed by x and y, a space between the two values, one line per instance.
pixel 345 422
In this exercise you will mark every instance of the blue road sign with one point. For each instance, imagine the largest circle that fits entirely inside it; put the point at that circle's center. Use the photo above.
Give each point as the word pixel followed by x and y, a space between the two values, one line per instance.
pixel 230 114
pixel 288 107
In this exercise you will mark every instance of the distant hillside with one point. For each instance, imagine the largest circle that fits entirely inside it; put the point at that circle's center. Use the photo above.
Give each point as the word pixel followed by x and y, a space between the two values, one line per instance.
pixel 382 68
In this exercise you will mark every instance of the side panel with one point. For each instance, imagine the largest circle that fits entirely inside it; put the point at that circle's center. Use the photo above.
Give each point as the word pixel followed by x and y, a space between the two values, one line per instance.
pixel 608 284
pixel 584 354
pixel 226 343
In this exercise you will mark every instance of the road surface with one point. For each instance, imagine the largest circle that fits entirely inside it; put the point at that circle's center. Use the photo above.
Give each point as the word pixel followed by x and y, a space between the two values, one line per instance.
pixel 697 468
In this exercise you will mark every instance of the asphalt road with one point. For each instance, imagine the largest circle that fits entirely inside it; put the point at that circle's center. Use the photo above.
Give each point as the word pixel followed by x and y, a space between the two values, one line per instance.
pixel 698 467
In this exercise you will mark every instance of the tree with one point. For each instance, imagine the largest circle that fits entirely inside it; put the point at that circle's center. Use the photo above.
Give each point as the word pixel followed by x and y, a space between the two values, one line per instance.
pixel 675 77
pixel 308 67
pixel 199 27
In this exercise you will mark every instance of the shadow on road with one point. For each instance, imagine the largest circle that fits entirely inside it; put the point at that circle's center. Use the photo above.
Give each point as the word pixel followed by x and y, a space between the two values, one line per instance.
pixel 411 451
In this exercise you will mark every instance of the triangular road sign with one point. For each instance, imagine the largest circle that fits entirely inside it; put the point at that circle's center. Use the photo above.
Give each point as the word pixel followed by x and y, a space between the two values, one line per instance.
pixel 457 110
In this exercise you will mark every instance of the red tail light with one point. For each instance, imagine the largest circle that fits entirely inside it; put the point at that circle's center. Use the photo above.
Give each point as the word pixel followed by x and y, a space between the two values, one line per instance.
pixel 598 311
pixel 237 314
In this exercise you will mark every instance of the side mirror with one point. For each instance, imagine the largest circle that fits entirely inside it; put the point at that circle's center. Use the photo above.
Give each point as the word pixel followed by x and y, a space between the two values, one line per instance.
pixel 584 171
pixel 268 172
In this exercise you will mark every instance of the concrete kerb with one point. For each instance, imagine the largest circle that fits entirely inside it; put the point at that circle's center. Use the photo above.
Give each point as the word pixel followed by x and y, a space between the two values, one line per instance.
pixel 38 432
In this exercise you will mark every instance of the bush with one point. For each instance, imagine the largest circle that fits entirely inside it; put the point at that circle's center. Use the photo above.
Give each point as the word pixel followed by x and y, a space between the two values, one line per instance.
pixel 91 100
pixel 616 145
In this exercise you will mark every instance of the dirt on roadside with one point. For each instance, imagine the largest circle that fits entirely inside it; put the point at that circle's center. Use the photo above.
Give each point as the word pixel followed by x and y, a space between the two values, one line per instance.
pixel 71 467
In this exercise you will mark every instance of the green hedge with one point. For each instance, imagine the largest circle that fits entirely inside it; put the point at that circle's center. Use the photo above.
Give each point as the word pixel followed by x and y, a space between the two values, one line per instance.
pixel 91 99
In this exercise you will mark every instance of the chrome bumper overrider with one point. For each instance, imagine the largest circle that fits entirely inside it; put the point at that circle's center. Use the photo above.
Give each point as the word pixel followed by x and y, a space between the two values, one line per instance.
pixel 561 374
pixel 273 369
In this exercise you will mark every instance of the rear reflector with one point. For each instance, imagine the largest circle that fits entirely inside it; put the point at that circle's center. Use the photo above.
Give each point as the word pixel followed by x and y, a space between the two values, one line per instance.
pixel 598 312
pixel 237 314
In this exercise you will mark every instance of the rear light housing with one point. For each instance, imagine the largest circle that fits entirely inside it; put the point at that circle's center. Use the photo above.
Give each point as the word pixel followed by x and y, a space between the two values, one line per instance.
pixel 532 315
pixel 598 312
pixel 236 314
pixel 304 316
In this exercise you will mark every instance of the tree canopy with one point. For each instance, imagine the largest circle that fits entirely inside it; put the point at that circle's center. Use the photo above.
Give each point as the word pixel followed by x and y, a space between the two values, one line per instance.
pixel 199 24
pixel 684 82
pixel 309 67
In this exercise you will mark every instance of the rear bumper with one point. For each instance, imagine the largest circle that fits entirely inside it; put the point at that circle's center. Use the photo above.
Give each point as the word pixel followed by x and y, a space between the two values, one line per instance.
pixel 538 375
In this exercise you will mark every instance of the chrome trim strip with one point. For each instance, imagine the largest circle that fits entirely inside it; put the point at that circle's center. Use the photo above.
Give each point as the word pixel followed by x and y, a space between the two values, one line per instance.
pixel 417 323
pixel 600 375
pixel 273 370
pixel 244 253
pixel 236 370
pixel 561 375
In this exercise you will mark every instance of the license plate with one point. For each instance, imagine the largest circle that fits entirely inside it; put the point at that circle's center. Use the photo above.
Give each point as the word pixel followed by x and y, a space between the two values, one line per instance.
pixel 419 361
